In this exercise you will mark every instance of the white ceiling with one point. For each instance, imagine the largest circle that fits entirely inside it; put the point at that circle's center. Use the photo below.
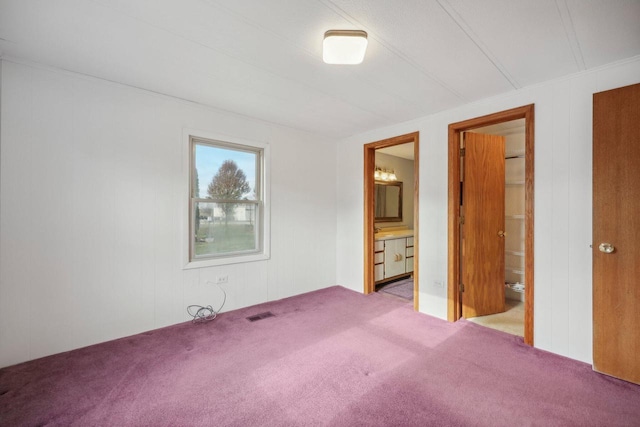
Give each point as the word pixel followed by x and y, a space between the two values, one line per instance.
pixel 262 58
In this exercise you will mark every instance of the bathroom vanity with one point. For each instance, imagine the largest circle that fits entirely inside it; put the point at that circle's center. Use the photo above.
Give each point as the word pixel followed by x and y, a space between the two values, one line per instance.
pixel 393 254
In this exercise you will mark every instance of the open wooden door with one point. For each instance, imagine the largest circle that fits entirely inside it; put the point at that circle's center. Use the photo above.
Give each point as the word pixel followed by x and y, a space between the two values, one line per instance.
pixel 616 233
pixel 482 229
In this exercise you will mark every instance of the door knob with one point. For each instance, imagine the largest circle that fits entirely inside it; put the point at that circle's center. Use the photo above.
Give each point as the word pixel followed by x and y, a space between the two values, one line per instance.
pixel 501 233
pixel 607 248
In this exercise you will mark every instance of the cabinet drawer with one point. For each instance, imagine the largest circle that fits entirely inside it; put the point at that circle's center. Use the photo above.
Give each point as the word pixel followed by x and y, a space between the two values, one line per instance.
pixel 409 241
pixel 409 252
pixel 378 246
pixel 409 265
pixel 378 272
pixel 378 258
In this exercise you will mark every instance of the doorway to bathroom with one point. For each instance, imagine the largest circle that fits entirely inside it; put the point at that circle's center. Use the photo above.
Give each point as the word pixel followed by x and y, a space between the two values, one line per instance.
pixel 490 271
pixel 391 217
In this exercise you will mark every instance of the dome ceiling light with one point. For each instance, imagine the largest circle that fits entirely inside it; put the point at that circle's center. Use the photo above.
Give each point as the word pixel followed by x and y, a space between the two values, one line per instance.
pixel 344 46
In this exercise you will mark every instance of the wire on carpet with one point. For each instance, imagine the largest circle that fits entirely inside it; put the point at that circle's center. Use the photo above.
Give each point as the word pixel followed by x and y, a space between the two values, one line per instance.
pixel 202 314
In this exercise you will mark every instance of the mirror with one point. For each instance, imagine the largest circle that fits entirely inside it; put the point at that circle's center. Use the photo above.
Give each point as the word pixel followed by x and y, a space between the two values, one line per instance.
pixel 388 201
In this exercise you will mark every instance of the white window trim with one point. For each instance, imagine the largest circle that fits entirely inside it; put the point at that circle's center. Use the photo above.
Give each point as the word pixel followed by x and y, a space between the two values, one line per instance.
pixel 187 133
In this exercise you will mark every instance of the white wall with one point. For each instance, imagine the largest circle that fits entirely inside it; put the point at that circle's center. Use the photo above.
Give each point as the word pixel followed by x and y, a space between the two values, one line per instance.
pixel 91 193
pixel 563 126
pixel 91 203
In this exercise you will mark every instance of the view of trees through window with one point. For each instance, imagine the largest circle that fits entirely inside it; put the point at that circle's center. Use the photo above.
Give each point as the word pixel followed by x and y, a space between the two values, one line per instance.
pixel 225 200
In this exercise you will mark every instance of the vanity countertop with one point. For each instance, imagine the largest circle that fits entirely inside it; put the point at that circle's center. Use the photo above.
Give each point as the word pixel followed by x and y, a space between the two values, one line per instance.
pixel 392 234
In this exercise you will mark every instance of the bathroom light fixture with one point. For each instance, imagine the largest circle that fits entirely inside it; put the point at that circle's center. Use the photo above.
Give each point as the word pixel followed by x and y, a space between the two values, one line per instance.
pixel 381 174
pixel 344 46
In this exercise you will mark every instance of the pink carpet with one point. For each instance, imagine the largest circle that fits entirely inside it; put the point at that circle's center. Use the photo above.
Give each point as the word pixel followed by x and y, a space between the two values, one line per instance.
pixel 330 357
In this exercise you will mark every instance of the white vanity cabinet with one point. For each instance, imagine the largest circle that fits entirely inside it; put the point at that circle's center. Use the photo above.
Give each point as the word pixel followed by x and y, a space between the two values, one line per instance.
pixel 409 255
pixel 378 260
pixel 393 257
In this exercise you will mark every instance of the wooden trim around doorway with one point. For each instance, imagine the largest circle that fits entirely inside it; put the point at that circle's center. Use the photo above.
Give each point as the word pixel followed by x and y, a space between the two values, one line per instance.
pixel 369 224
pixel 453 276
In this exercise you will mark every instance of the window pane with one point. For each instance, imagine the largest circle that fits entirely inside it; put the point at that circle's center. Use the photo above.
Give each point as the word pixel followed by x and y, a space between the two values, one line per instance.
pixel 222 228
pixel 224 173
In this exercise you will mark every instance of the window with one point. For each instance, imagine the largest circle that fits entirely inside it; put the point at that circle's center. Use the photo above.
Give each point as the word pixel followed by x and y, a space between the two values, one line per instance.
pixel 227 202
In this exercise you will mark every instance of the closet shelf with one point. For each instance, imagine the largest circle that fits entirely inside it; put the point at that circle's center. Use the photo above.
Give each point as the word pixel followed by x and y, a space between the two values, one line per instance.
pixel 514 156
pixel 514 270
pixel 514 216
pixel 516 253
pixel 514 183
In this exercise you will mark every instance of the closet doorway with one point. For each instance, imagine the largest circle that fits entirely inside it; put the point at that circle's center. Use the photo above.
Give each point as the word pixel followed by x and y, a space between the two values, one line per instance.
pixel 385 230
pixel 490 236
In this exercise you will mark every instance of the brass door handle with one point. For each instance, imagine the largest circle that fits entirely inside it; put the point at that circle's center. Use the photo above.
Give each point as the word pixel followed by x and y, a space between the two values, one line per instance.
pixel 501 233
pixel 607 248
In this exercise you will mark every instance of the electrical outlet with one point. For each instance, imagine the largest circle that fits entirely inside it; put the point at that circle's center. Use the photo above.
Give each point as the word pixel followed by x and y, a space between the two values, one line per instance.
pixel 222 279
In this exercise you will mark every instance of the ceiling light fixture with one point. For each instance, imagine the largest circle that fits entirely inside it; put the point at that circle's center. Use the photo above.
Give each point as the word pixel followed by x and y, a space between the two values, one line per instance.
pixel 344 46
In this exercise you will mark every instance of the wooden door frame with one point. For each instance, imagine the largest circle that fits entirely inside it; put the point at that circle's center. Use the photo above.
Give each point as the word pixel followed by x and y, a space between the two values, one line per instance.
pixel 453 275
pixel 369 223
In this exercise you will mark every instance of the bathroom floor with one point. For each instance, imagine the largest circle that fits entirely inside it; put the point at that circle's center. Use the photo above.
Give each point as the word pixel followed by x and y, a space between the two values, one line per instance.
pixel 511 321
pixel 402 288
